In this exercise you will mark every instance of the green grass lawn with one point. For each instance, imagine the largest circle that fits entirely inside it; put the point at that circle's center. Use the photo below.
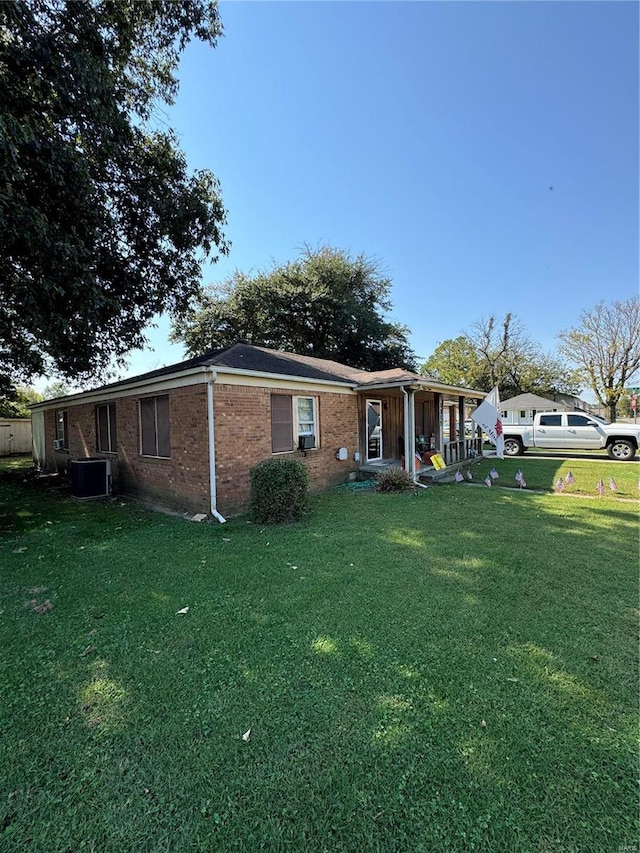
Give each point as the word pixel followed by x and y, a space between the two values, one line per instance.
pixel 449 671
pixel 542 474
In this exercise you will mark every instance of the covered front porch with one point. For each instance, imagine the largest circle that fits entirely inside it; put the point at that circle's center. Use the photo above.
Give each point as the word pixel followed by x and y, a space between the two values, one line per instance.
pixel 405 421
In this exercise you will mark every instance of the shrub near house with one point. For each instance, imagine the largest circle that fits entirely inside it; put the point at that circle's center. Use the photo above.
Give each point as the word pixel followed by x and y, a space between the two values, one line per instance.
pixel 279 491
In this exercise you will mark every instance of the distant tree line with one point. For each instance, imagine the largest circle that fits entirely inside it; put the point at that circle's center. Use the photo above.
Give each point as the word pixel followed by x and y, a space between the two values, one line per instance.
pixel 601 353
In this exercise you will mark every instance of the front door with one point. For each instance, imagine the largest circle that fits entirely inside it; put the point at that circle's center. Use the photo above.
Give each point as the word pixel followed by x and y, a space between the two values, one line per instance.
pixel 374 430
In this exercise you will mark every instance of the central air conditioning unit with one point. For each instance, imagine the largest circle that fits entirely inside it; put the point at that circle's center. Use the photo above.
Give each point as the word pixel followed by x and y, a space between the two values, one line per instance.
pixel 90 478
pixel 58 444
pixel 306 442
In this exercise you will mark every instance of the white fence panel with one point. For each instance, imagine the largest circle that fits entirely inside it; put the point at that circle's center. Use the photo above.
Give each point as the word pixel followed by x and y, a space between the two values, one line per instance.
pixel 15 436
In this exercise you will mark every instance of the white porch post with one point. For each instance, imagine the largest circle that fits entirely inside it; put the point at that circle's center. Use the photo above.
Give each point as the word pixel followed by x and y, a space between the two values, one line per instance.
pixel 412 434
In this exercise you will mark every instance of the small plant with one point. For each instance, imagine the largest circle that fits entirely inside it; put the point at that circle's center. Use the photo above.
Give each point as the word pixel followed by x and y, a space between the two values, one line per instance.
pixel 395 479
pixel 279 491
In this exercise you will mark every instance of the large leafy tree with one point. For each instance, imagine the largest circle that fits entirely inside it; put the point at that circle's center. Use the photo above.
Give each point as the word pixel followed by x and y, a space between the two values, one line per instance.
pixel 606 348
pixel 500 352
pixel 15 404
pixel 456 362
pixel 101 223
pixel 325 303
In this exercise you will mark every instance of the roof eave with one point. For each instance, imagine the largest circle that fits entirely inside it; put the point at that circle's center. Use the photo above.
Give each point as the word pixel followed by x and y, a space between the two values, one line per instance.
pixel 436 387
pixel 118 388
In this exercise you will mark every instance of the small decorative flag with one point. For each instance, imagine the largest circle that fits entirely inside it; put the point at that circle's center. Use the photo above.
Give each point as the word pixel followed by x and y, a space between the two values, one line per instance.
pixel 600 487
pixel 518 475
pixel 613 485
pixel 560 485
pixel 569 479
pixel 523 483
pixel 470 477
pixel 493 474
pixel 459 478
pixel 487 480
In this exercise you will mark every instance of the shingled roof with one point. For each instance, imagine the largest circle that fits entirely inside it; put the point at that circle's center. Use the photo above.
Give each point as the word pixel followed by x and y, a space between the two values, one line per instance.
pixel 532 401
pixel 247 358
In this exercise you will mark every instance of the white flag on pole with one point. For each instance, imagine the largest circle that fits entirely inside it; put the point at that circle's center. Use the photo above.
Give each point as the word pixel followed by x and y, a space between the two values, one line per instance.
pixel 487 416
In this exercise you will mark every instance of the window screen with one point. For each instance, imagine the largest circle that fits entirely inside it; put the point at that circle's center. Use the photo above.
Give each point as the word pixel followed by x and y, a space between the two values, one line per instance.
pixel 154 425
pixel 281 423
pixel 107 436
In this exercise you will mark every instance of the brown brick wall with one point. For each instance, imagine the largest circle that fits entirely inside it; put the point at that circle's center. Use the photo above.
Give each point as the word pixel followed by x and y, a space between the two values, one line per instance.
pixel 242 435
pixel 243 438
pixel 181 481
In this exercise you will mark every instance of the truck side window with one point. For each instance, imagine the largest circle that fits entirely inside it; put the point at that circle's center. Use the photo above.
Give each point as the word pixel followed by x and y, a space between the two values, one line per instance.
pixel 578 420
pixel 550 420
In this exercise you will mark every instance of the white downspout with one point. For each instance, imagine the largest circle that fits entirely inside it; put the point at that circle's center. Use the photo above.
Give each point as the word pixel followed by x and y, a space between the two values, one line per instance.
pixel 212 449
pixel 407 448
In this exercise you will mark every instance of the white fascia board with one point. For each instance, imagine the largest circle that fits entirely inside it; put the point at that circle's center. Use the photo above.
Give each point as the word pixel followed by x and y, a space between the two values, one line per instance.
pixel 193 376
pixel 423 386
pixel 237 376
pixel 450 389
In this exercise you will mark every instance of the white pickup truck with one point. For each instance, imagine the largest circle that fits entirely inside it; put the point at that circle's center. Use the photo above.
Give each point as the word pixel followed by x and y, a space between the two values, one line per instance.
pixel 572 431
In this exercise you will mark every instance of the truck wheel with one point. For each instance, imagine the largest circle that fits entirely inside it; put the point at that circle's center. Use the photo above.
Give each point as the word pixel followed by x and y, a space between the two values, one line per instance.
pixel 513 447
pixel 621 449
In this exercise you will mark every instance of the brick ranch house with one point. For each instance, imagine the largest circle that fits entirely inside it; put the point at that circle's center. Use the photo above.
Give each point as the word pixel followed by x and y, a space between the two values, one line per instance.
pixel 188 435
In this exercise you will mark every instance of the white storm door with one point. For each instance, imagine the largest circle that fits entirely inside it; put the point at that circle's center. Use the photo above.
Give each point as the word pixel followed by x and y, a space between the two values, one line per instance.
pixel 374 430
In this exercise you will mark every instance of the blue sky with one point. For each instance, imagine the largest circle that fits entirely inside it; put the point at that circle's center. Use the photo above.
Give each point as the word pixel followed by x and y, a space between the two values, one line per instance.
pixel 485 152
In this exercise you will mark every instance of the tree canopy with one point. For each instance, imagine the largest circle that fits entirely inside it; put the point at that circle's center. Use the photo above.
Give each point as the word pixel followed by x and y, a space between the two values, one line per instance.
pixel 325 304
pixel 456 362
pixel 15 404
pixel 101 223
pixel 606 348
pixel 500 352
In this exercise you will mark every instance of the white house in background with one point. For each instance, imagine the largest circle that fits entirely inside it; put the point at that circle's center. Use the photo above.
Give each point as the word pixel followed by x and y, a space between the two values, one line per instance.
pixel 521 409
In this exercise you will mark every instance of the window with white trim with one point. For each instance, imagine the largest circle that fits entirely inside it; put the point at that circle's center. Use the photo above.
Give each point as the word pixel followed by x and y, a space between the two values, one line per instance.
pixel 306 416
pixel 154 427
pixel 294 422
pixel 62 430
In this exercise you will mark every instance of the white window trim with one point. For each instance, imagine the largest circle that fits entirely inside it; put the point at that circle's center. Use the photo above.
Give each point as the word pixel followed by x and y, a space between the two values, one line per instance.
pixel 314 430
pixel 62 427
